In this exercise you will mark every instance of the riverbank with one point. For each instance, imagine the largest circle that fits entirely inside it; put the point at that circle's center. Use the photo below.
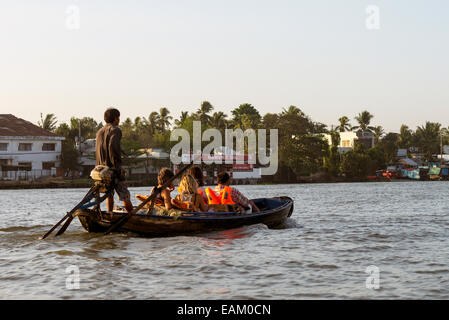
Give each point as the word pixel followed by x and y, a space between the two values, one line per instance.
pixel 87 183
pixel 60 184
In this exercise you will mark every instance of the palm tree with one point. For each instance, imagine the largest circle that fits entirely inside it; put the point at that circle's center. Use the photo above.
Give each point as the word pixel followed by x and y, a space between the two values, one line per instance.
pixel 203 112
pixel 405 137
pixel 48 123
pixel 378 133
pixel 292 110
pixel 344 124
pixel 364 119
pixel 152 123
pixel 164 119
pixel 138 122
pixel 182 119
pixel 218 120
pixel 428 139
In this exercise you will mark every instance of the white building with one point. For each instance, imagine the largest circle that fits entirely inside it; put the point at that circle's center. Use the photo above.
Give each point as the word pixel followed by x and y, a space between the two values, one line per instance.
pixel 87 158
pixel 348 139
pixel 26 150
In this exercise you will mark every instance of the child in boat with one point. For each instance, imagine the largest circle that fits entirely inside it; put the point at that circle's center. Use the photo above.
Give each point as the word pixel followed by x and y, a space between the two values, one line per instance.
pixel 224 194
pixel 164 175
pixel 188 194
pixel 197 173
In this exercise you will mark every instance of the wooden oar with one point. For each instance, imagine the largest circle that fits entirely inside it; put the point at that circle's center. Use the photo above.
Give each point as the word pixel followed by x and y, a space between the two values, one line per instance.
pixel 93 189
pixel 156 191
pixel 69 220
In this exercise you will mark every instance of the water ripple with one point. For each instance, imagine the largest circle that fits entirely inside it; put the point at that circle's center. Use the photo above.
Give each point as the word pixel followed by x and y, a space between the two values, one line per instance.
pixel 322 252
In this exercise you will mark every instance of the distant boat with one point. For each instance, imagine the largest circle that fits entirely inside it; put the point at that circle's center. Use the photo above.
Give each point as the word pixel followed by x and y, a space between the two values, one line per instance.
pixel 414 174
pixel 434 173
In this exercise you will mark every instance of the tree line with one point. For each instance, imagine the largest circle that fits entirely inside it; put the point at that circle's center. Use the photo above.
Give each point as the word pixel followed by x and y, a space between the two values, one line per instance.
pixel 302 149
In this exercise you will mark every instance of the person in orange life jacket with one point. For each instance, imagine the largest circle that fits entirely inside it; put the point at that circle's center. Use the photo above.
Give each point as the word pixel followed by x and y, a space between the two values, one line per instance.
pixel 224 194
pixel 197 173
pixel 188 194
pixel 164 175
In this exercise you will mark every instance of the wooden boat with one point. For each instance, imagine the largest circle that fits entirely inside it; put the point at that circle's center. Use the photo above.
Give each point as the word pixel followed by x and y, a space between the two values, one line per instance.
pixel 274 212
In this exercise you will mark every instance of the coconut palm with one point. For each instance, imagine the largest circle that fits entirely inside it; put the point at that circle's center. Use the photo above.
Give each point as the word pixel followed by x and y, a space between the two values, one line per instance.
pixel 344 124
pixel 428 139
pixel 182 119
pixel 292 110
pixel 202 113
pixel 138 123
pixel 364 119
pixel 378 133
pixel 164 119
pixel 152 122
pixel 405 137
pixel 218 120
pixel 245 116
pixel 48 123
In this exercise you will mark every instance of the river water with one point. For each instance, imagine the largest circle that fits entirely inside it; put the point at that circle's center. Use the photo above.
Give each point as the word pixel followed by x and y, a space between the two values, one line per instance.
pixel 339 238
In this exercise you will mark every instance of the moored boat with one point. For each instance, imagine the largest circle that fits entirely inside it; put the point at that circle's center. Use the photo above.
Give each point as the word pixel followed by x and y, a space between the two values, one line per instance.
pixel 274 212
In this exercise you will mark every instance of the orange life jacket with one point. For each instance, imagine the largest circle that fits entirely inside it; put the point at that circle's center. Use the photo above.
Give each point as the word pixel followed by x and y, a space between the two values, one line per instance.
pixel 226 196
pixel 212 197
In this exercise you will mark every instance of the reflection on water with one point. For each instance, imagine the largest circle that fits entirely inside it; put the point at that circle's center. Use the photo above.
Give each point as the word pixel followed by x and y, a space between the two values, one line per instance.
pixel 334 234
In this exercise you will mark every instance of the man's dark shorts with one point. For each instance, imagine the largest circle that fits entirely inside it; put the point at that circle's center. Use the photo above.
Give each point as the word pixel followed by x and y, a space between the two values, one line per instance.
pixel 122 191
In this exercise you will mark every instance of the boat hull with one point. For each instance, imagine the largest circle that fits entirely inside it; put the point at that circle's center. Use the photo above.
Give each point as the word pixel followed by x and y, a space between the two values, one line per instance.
pixel 276 211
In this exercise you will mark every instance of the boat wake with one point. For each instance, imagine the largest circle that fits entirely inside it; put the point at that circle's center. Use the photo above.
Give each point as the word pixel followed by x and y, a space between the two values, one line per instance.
pixel 289 224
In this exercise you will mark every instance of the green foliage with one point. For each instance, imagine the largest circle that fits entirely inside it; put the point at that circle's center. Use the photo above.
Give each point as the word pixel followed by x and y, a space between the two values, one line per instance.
pixel 378 133
pixel 389 146
pixel 245 117
pixel 48 123
pixel 203 113
pixel 364 119
pixel 69 156
pixel 356 163
pixel 132 150
pixel 405 137
pixel 332 161
pixel 344 124
pixel 427 138
pixel 302 148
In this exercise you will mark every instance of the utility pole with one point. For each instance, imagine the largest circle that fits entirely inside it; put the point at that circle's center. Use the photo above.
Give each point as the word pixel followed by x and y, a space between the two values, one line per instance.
pixel 441 150
pixel 79 135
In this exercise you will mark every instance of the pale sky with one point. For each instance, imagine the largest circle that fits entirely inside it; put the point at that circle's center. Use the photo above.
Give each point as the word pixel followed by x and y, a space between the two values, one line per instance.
pixel 142 55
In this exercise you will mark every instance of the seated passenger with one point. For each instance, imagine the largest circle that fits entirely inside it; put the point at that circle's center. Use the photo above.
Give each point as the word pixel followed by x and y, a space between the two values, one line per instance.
pixel 224 194
pixel 188 197
pixel 197 173
pixel 164 196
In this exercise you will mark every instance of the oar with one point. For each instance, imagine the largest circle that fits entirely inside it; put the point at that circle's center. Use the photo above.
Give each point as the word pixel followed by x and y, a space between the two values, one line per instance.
pixel 156 191
pixel 70 213
pixel 69 220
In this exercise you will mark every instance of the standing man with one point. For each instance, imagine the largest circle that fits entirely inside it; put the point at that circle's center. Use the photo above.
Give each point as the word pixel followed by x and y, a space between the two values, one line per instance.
pixel 108 152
